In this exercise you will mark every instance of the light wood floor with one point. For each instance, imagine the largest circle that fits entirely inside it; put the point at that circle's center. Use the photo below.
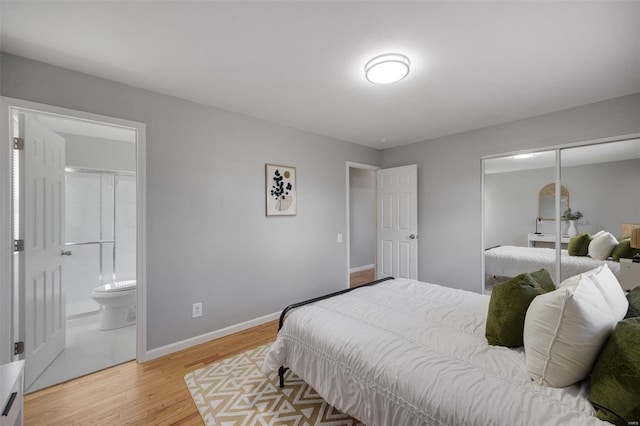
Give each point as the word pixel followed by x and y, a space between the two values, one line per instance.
pixel 362 277
pixel 153 393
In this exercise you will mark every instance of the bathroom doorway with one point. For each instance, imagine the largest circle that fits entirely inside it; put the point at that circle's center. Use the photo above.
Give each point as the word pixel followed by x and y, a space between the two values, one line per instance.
pixel 91 202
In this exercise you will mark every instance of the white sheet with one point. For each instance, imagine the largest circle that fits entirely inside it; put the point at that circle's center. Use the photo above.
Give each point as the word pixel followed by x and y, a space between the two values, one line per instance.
pixel 509 261
pixel 405 352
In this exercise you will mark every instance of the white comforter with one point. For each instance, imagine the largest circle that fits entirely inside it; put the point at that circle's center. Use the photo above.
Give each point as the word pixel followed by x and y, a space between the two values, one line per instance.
pixel 509 261
pixel 405 352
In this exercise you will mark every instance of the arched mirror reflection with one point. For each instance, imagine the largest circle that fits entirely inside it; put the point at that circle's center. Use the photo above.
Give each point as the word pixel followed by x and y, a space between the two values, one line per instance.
pixel 547 201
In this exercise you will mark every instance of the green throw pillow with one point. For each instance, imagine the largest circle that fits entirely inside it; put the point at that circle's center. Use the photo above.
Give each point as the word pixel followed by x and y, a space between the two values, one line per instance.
pixel 624 249
pixel 615 379
pixel 634 303
pixel 508 307
pixel 579 245
pixel 543 278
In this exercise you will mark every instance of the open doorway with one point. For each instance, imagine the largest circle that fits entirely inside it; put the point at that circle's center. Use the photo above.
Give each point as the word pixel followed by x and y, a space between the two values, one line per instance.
pixel 75 220
pixel 361 204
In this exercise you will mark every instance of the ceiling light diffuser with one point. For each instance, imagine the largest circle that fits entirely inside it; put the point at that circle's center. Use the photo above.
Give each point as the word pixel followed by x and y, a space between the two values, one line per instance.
pixel 387 68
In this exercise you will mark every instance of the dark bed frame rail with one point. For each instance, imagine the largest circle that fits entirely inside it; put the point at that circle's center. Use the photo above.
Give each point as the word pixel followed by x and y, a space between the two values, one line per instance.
pixel 286 310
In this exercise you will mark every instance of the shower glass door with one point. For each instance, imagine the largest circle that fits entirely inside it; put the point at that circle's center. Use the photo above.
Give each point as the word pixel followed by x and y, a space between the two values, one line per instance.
pixel 100 234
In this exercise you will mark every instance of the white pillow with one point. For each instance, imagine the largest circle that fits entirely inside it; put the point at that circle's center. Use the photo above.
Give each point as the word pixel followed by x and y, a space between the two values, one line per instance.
pixel 601 247
pixel 564 331
pixel 611 290
pixel 597 234
pixel 575 280
pixel 608 285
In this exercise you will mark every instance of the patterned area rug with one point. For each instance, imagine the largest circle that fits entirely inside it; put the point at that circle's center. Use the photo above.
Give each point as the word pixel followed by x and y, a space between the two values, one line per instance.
pixel 235 392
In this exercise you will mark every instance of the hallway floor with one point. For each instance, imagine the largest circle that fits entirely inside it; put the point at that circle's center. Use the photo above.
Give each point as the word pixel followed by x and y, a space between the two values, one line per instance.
pixel 88 349
pixel 362 277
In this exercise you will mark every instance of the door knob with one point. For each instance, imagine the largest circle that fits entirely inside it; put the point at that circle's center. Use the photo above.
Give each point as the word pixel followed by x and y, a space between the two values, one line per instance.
pixel 66 253
pixel 413 236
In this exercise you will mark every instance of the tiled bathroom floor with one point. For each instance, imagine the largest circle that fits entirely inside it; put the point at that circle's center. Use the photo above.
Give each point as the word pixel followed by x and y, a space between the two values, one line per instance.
pixel 88 349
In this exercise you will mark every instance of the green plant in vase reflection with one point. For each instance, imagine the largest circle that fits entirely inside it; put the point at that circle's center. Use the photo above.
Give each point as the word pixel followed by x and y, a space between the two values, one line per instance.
pixel 569 215
pixel 572 217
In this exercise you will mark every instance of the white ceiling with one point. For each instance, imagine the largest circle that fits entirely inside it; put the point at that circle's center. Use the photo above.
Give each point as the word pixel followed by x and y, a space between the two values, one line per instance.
pixel 474 64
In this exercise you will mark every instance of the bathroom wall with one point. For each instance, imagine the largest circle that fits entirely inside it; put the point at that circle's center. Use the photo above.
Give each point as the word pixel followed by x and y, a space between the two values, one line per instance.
pixel 99 153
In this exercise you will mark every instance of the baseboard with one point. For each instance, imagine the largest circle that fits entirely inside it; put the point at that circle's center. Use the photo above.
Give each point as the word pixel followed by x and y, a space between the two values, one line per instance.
pixel 83 315
pixel 203 338
pixel 361 268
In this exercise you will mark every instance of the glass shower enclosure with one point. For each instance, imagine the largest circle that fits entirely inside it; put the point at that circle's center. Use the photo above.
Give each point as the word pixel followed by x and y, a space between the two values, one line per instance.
pixel 100 220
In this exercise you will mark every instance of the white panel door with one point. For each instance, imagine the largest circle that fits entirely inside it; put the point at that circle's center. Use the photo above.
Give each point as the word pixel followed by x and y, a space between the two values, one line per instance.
pixel 42 198
pixel 397 194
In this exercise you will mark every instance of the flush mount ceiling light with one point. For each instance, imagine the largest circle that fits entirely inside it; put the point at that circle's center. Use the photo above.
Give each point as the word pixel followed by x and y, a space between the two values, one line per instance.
pixel 387 68
pixel 522 156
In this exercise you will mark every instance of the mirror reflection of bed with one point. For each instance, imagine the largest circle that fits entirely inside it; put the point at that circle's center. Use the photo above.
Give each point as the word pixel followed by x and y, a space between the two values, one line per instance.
pixel 504 262
pixel 599 180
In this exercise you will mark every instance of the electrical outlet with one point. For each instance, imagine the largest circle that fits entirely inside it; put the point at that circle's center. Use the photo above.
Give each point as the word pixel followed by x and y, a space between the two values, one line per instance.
pixel 197 310
pixel 339 238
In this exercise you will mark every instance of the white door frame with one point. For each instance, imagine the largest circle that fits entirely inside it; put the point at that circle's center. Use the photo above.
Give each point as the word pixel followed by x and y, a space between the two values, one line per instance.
pixel 7 106
pixel 351 164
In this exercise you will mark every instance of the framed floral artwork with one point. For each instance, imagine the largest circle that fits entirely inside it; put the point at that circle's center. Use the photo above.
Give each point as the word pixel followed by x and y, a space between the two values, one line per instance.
pixel 281 191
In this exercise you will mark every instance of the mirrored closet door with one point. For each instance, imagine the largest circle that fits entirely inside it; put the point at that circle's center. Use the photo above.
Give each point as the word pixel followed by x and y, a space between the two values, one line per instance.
pixel 515 217
pixel 535 203
pixel 604 180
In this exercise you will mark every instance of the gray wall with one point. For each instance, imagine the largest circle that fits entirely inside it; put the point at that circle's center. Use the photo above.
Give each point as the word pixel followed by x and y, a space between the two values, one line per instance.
pixel 362 212
pixel 208 239
pixel 511 206
pixel 605 193
pixel 98 153
pixel 449 179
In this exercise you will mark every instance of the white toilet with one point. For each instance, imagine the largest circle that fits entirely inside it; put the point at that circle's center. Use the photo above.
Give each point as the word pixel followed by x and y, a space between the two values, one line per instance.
pixel 118 302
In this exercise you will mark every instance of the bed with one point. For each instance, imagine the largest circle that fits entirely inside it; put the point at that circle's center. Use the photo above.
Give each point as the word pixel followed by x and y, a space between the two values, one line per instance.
pixel 509 261
pixel 404 352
